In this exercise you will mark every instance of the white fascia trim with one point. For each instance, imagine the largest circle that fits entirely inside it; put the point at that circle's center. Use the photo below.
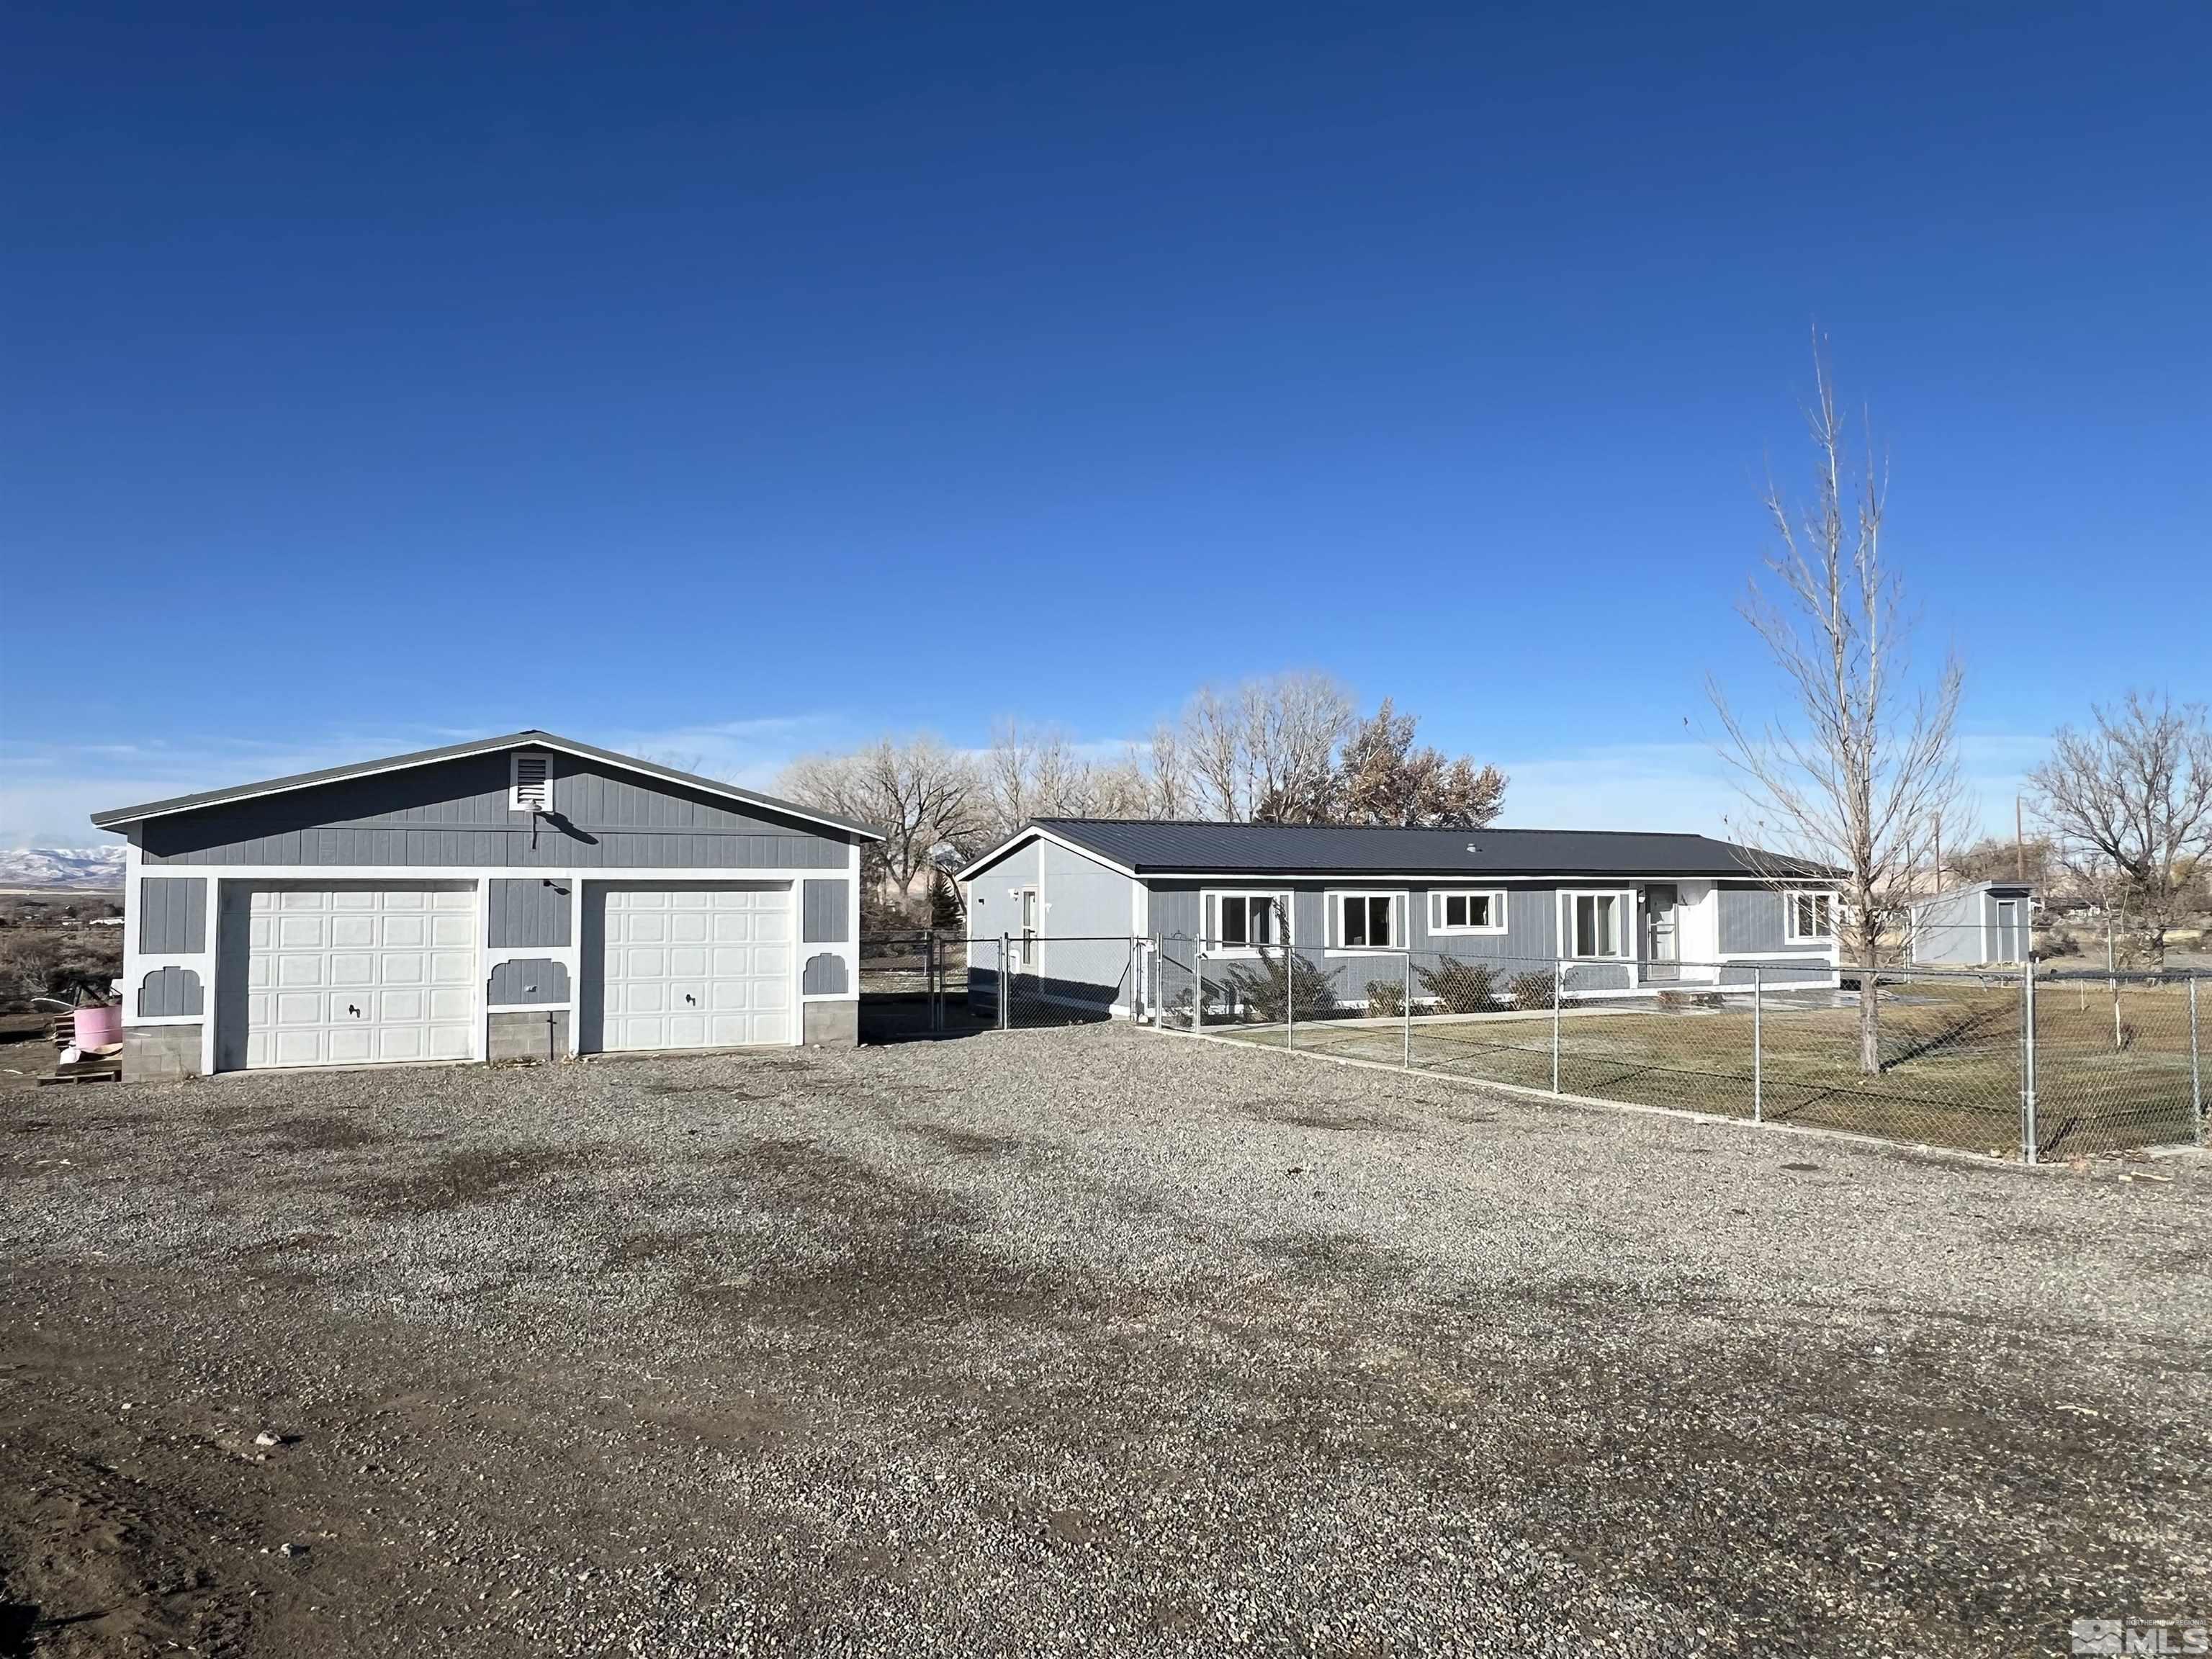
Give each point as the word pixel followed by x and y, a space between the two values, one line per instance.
pixel 1451 879
pixel 311 875
pixel 1033 834
pixel 552 745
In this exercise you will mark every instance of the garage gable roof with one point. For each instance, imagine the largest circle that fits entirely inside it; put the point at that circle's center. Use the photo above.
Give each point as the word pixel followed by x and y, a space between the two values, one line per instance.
pixel 533 739
pixel 1142 846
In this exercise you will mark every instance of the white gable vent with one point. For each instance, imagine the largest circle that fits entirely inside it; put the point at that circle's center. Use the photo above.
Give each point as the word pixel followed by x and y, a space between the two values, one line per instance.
pixel 530 780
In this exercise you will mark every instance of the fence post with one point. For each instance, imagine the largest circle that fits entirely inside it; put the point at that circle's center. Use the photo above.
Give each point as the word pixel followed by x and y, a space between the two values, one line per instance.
pixel 1559 989
pixel 1198 990
pixel 1290 995
pixel 2195 1066
pixel 1406 1058
pixel 1160 982
pixel 1757 1077
pixel 1006 978
pixel 2027 1135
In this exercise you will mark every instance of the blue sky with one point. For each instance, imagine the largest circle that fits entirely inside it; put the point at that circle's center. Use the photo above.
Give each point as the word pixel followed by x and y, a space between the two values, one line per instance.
pixel 444 371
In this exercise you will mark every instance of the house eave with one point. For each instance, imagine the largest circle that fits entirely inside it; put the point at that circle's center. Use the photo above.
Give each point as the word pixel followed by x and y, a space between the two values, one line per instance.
pixel 121 817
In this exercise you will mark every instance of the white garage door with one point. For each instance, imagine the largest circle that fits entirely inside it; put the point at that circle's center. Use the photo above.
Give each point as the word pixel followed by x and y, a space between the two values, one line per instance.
pixel 358 976
pixel 695 966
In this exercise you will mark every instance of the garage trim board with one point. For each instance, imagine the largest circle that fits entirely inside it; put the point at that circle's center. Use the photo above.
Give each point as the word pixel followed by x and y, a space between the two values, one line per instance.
pixel 338 862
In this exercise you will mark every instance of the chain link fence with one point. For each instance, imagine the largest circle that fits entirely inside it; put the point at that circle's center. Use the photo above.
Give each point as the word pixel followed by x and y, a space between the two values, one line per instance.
pixel 2016 1063
pixel 1021 982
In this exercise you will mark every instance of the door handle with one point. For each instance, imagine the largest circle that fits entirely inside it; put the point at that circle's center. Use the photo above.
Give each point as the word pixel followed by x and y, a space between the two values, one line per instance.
pixel 355 1011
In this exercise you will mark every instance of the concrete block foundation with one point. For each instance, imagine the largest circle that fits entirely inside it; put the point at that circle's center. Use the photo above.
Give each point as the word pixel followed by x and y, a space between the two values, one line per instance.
pixel 528 1033
pixel 154 1053
pixel 833 1024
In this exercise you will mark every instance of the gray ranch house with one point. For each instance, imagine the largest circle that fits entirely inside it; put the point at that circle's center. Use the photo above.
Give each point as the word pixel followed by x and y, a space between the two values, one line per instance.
pixel 1632 913
pixel 519 897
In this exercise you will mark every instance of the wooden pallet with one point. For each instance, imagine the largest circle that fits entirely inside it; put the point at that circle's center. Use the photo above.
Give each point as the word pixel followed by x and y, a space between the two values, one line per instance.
pixel 88 1071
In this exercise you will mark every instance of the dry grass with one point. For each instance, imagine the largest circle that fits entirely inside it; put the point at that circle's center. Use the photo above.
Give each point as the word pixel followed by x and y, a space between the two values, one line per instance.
pixel 1951 1056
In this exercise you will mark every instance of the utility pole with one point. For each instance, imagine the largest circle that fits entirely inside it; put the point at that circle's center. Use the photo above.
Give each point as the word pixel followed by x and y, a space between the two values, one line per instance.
pixel 1939 853
pixel 2019 842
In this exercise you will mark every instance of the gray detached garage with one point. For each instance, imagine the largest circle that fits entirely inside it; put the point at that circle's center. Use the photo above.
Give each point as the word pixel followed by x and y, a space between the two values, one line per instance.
pixel 523 897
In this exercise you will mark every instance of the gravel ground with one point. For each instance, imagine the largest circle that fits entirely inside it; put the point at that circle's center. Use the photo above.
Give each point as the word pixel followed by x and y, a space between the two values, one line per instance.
pixel 1080 1341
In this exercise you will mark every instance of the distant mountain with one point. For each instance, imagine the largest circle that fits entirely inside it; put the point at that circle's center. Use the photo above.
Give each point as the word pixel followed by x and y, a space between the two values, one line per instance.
pixel 86 867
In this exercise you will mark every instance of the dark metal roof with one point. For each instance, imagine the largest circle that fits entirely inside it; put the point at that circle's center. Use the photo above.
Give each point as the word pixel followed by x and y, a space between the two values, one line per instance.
pixel 530 739
pixel 1288 849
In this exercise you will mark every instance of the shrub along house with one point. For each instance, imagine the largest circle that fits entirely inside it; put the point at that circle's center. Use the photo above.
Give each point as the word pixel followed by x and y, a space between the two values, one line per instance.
pixel 520 896
pixel 1631 912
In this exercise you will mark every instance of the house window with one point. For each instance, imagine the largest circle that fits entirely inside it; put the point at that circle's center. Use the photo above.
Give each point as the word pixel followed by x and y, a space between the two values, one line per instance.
pixel 530 781
pixel 1812 918
pixel 1596 925
pixel 1366 921
pixel 1472 910
pixel 1246 921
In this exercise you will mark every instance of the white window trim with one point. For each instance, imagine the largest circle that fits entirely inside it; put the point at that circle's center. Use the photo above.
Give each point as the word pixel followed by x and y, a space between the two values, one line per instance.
pixel 1332 919
pixel 1626 914
pixel 514 759
pixel 1789 933
pixel 1209 899
pixel 1438 895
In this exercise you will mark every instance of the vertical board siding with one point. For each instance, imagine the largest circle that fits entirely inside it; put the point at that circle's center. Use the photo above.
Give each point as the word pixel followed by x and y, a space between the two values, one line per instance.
pixel 1752 919
pixel 168 992
pixel 172 915
pixel 527 914
pixel 455 813
pixel 825 913
pixel 824 975
pixel 526 981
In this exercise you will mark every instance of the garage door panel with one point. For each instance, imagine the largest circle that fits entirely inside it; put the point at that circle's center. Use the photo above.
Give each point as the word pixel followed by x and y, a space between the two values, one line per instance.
pixel 694 966
pixel 359 975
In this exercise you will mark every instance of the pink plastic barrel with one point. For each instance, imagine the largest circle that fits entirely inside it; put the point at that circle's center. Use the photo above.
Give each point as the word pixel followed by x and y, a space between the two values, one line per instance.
pixel 96 1028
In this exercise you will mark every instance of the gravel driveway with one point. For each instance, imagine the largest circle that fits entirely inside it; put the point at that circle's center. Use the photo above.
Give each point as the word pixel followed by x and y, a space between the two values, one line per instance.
pixel 1082 1341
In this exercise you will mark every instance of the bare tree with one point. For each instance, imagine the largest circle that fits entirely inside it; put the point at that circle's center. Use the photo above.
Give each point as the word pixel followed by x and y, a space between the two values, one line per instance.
pixel 1852 776
pixel 2131 803
pixel 1033 773
pixel 1382 779
pixel 923 796
pixel 1999 857
pixel 1266 752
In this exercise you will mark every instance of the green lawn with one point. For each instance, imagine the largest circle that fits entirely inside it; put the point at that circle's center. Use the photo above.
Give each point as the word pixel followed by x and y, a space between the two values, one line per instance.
pixel 1951 1051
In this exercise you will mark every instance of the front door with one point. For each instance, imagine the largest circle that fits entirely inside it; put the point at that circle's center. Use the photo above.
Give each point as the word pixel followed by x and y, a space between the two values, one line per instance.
pixel 1659 941
pixel 1025 954
pixel 2010 946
